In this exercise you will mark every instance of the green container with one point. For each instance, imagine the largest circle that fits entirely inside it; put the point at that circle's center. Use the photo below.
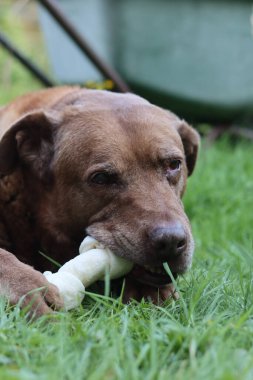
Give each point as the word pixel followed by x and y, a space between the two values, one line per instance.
pixel 191 56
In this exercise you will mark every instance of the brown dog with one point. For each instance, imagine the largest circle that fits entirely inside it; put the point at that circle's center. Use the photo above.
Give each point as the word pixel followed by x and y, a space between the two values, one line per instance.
pixel 76 161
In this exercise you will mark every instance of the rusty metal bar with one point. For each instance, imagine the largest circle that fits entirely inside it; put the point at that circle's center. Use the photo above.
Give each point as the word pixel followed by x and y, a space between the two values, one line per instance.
pixel 25 61
pixel 79 40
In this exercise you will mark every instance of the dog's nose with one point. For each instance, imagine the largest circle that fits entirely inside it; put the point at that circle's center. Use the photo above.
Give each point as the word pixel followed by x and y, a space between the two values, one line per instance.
pixel 168 240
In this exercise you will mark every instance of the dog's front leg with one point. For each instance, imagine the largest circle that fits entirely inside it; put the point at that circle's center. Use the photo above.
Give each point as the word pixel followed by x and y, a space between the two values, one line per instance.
pixel 135 290
pixel 21 283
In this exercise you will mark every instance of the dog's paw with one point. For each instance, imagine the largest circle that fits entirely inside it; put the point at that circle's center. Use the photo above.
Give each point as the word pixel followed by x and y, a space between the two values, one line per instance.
pixel 137 291
pixel 23 285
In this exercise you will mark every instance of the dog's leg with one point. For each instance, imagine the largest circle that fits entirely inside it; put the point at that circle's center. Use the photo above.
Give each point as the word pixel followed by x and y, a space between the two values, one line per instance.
pixel 21 283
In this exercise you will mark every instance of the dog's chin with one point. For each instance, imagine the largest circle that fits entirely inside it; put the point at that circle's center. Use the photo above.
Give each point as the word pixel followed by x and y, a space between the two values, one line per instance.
pixel 151 275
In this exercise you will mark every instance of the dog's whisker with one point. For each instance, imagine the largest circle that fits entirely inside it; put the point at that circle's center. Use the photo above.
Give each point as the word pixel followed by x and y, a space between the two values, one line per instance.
pixel 124 243
pixel 129 241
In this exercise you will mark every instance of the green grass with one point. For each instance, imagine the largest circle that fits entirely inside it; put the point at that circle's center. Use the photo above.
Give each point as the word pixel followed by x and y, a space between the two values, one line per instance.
pixel 206 334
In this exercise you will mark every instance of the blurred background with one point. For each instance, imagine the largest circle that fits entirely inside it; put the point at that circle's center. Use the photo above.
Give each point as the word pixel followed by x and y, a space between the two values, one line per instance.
pixel 194 57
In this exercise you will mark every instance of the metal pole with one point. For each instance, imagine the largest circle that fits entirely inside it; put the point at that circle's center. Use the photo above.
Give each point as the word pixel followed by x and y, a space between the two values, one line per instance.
pixel 79 40
pixel 24 60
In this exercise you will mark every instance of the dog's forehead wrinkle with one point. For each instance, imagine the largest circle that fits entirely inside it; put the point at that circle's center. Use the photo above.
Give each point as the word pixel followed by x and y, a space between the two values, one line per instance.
pixel 109 99
pixel 149 125
pixel 99 101
pixel 128 138
pixel 150 148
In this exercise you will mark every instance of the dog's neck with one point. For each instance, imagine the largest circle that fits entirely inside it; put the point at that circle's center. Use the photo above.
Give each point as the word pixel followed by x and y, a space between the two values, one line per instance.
pixel 16 224
pixel 20 221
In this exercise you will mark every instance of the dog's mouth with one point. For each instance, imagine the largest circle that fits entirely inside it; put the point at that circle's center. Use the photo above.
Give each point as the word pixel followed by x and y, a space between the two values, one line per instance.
pixel 150 275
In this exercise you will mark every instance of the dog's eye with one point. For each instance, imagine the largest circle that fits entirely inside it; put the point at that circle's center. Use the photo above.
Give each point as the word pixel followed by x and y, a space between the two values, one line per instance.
pixel 174 165
pixel 172 169
pixel 103 178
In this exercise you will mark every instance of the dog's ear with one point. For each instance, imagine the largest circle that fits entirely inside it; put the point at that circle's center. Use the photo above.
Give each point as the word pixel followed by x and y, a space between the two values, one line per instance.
pixel 29 143
pixel 191 143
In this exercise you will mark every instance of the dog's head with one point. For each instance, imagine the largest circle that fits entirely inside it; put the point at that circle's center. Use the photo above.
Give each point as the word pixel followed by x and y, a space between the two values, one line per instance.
pixel 113 166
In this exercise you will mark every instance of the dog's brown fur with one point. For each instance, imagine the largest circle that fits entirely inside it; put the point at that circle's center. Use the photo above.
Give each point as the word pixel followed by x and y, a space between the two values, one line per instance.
pixel 52 144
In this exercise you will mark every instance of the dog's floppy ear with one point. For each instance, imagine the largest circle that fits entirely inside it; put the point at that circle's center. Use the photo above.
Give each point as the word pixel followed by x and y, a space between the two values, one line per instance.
pixel 191 142
pixel 29 142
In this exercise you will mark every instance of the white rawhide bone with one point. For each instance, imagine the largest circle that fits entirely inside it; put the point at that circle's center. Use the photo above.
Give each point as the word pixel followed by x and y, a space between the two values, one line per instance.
pixel 90 266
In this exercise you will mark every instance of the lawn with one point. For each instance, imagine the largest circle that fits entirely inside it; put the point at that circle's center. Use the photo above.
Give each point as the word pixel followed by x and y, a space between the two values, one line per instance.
pixel 206 334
